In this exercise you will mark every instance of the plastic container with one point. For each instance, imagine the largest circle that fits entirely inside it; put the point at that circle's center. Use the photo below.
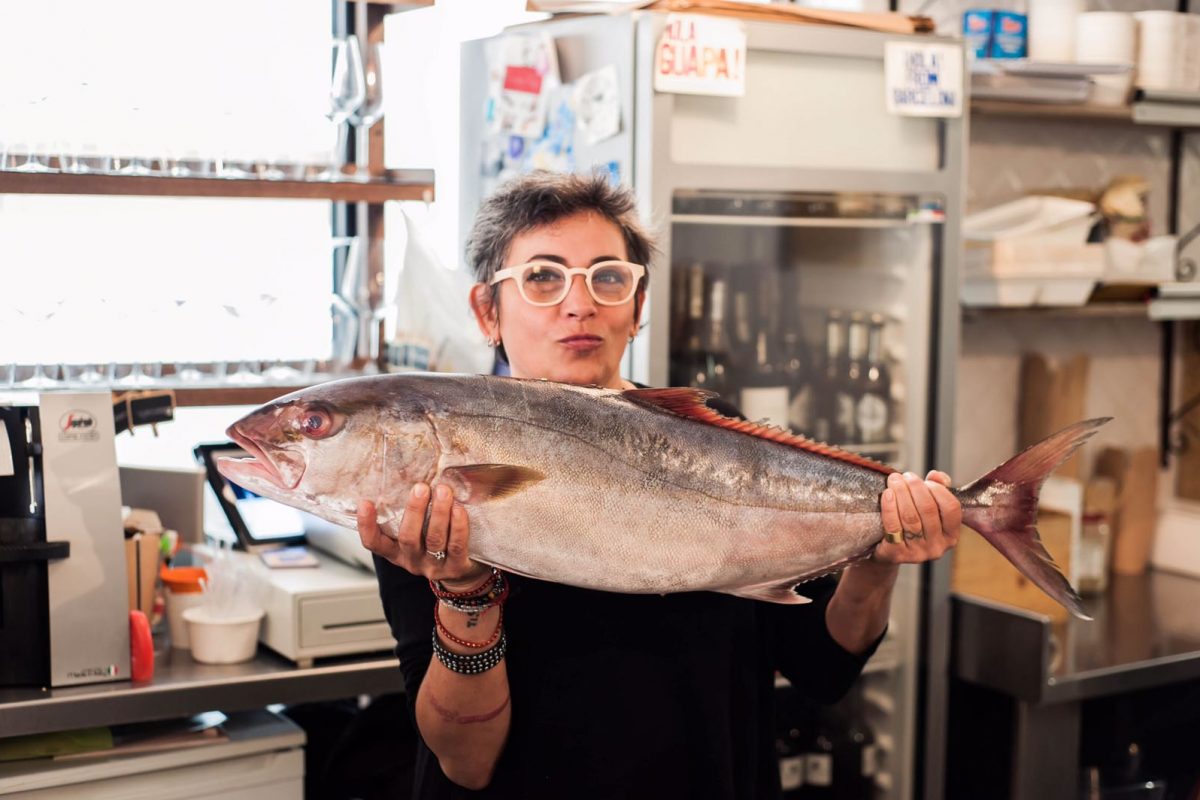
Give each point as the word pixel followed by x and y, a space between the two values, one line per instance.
pixel 184 591
pixel 222 640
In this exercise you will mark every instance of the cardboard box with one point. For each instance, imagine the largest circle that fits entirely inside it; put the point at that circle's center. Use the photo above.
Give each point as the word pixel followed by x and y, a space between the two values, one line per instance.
pixel 141 565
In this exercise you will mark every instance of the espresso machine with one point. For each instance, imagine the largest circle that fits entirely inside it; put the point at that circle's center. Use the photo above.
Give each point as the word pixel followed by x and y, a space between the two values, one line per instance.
pixel 64 609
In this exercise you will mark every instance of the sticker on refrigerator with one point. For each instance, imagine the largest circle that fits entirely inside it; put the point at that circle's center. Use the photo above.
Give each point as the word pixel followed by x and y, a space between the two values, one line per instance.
pixel 924 80
pixel 523 70
pixel 598 105
pixel 701 55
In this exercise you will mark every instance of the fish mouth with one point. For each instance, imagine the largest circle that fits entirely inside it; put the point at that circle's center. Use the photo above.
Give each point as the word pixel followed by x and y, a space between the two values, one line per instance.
pixel 257 464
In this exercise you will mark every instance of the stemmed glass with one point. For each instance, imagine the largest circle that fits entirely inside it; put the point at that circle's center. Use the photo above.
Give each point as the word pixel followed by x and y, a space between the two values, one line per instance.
pixel 346 93
pixel 39 315
pixel 33 151
pixel 243 324
pixel 370 110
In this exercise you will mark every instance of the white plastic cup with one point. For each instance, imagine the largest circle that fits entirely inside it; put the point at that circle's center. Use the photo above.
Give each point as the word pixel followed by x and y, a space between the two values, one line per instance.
pixel 222 640
pixel 1052 29
pixel 1162 50
pixel 1106 37
pixel 177 603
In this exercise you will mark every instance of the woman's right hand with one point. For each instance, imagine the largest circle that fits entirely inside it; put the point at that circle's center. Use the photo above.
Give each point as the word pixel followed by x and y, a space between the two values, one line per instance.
pixel 448 533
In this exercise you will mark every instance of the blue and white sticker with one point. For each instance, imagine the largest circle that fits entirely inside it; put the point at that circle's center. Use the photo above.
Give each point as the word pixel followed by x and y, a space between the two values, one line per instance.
pixel 924 80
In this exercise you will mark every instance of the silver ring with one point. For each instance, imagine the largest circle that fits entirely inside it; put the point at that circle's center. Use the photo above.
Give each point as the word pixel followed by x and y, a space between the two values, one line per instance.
pixel 910 535
pixel 440 555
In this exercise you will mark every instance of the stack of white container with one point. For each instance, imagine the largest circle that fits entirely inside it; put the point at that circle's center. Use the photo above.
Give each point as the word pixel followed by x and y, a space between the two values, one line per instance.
pixel 1160 48
pixel 1032 251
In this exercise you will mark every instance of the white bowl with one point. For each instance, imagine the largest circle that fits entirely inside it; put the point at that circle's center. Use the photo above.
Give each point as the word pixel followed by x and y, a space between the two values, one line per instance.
pixel 222 640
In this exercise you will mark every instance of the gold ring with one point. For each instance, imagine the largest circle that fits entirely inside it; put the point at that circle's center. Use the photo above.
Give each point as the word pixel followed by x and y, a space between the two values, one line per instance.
pixel 894 538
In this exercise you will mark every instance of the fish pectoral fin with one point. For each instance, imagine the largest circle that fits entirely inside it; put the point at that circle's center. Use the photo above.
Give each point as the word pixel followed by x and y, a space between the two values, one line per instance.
pixel 482 482
pixel 784 593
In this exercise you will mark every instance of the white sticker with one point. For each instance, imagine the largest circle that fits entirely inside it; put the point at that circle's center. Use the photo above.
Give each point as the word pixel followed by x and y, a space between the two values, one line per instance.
pixel 6 461
pixel 924 80
pixel 768 403
pixel 701 55
pixel 598 105
pixel 818 769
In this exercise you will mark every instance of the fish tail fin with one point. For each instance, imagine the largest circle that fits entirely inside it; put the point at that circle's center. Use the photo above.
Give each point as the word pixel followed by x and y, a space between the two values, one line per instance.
pixel 1002 506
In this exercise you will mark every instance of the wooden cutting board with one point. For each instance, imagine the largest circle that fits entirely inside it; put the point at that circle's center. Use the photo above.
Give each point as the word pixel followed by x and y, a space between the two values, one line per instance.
pixel 1052 397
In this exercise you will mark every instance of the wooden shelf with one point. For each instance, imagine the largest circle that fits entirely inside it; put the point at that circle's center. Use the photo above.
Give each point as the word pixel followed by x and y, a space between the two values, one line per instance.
pixel 1090 310
pixel 399 5
pixel 413 185
pixel 1010 108
pixel 1143 112
pixel 232 395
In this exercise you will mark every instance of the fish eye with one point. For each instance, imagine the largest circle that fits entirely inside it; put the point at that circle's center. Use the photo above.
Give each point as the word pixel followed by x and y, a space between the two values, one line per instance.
pixel 315 422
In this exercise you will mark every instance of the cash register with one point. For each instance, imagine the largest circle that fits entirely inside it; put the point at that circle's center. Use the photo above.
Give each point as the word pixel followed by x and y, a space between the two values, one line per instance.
pixel 326 604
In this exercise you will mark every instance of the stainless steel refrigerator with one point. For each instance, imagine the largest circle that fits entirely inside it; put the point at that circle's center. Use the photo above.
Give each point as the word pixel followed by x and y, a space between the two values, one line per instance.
pixel 808 270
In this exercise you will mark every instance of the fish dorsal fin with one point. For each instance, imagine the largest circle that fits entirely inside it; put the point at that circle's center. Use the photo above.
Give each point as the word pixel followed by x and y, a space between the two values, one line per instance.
pixel 692 404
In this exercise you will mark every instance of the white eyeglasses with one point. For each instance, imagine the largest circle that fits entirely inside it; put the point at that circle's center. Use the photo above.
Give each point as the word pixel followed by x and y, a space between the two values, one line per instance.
pixel 547 283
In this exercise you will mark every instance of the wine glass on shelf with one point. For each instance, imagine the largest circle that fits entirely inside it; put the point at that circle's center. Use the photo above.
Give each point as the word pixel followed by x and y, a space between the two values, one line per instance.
pixel 29 154
pixel 241 321
pixel 370 110
pixel 36 316
pixel 346 94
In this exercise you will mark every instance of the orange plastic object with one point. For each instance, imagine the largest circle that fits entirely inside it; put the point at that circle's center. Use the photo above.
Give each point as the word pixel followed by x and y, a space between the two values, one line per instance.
pixel 183 580
pixel 141 647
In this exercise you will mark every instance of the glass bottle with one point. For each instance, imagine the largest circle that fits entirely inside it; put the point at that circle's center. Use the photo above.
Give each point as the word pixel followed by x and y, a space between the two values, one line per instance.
pixel 830 425
pixel 691 366
pixel 873 415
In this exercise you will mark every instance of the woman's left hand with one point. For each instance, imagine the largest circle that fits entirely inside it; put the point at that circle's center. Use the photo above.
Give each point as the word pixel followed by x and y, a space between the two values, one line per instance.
pixel 923 515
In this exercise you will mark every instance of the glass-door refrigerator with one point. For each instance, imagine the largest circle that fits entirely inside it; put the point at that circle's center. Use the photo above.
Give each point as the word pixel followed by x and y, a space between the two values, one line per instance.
pixel 807 272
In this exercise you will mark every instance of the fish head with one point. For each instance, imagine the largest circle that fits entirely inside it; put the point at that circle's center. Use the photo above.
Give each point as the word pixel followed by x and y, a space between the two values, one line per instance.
pixel 326 448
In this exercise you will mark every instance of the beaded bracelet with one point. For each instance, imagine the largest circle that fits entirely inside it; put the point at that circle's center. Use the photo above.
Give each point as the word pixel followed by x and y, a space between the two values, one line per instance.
pixel 496 595
pixel 472 664
pixel 448 636
pixel 442 592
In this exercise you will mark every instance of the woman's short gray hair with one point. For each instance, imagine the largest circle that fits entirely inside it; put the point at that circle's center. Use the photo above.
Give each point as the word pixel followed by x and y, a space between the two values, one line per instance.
pixel 542 198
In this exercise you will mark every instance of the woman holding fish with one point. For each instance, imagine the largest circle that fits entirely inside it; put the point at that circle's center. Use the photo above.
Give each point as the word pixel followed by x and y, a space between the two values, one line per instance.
pixel 529 688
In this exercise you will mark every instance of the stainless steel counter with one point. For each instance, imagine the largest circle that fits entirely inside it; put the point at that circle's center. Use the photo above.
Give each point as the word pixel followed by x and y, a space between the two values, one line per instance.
pixel 182 686
pixel 1145 633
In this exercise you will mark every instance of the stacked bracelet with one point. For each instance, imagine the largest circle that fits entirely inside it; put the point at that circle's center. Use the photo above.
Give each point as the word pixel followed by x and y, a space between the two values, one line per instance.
pixel 470 664
pixel 450 637
pixel 492 592
pixel 442 592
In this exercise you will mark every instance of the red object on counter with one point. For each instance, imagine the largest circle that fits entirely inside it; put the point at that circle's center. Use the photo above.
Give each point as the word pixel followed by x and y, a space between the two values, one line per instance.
pixel 141 647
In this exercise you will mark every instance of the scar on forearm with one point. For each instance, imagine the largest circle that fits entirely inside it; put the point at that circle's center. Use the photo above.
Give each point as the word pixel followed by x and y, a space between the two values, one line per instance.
pixel 450 715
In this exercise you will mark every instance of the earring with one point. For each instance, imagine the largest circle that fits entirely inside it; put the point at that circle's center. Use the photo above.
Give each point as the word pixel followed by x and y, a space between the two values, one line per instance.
pixel 491 342
pixel 631 338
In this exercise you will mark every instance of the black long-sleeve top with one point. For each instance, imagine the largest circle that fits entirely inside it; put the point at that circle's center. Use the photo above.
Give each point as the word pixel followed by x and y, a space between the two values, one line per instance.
pixel 619 696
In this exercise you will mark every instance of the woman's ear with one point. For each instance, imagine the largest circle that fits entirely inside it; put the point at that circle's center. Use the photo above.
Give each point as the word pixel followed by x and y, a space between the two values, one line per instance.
pixel 639 302
pixel 487 316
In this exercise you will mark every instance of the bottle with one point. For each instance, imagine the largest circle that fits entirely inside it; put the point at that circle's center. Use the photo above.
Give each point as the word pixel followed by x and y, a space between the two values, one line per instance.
pixel 718 367
pixel 818 763
pixel 873 415
pixel 799 382
pixel 743 332
pixel 828 426
pixel 764 388
pixel 789 748
pixel 850 386
pixel 691 366
pixel 855 753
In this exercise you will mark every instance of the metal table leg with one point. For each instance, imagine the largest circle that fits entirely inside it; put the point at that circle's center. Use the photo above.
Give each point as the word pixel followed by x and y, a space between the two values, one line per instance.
pixel 1046 752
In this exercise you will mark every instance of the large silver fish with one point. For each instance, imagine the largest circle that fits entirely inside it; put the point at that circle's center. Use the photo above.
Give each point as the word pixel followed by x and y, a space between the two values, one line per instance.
pixel 640 491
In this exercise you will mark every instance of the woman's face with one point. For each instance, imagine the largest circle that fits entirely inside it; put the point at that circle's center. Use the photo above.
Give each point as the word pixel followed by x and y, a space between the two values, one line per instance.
pixel 577 341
